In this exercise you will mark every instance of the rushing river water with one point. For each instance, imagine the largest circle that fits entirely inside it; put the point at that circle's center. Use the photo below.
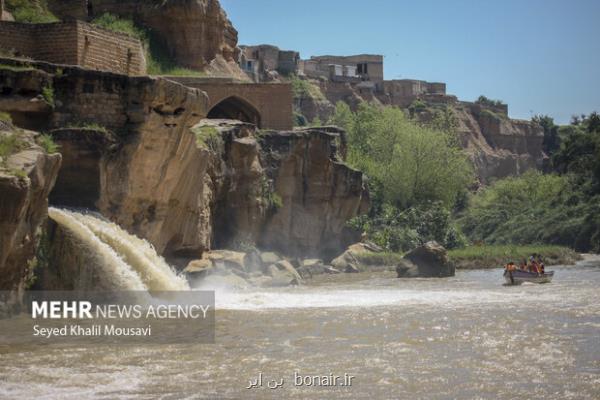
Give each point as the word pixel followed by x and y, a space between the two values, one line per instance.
pixel 466 337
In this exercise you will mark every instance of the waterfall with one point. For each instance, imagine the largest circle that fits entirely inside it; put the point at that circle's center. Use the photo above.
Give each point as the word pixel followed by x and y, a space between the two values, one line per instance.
pixel 128 262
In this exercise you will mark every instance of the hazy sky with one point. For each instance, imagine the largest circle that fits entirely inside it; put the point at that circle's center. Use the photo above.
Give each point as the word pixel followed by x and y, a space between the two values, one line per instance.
pixel 539 56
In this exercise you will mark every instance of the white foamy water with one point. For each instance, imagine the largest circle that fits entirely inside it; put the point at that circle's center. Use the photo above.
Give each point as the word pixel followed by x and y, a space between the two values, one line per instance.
pixel 466 337
pixel 130 263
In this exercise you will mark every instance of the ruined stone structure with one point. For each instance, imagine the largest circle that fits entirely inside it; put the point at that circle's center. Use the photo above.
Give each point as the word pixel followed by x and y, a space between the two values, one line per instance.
pixel 75 43
pixel 263 61
pixel 402 92
pixel 366 67
pixel 267 105
pixel 194 32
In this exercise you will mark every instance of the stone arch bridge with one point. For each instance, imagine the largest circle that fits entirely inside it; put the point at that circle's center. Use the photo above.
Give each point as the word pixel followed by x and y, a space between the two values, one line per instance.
pixel 268 105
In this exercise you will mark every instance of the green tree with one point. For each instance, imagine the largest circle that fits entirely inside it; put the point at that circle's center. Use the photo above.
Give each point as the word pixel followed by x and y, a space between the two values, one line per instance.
pixel 551 141
pixel 413 163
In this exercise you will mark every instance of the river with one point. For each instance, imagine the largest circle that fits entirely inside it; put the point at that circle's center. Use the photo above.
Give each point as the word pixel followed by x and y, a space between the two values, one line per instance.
pixel 466 337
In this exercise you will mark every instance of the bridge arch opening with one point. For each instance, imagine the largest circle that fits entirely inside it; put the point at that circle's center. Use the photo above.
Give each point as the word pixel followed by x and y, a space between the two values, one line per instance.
pixel 235 108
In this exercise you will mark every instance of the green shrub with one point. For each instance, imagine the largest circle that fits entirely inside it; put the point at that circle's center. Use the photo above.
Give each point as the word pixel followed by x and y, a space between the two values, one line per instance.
pixel 276 201
pixel 535 209
pixel 30 11
pixel 493 256
pixel 208 137
pixel 299 119
pixel 47 143
pixel 491 115
pixel 489 102
pixel 305 88
pixel 158 59
pixel 383 258
pixel 409 163
pixel 117 24
pixel 9 145
pixel 417 106
pixel 19 173
pixel 87 125
pixel 48 95
pixel 5 117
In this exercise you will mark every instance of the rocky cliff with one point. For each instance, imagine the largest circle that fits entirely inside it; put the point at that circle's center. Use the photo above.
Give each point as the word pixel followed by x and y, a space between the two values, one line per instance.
pixel 137 149
pixel 27 174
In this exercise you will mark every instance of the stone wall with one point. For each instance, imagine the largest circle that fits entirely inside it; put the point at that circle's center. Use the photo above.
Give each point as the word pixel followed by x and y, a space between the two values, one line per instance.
pixel 75 43
pixel 273 101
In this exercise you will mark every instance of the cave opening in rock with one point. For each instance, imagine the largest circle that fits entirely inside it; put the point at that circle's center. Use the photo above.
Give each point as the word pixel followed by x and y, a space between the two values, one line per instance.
pixel 235 108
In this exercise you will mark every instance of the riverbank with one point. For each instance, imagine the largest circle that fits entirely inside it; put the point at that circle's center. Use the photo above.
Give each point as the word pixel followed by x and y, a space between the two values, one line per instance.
pixel 474 257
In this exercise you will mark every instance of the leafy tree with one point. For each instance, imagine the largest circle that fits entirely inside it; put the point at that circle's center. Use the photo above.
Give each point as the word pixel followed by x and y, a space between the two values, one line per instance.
pixel 416 174
pixel 551 141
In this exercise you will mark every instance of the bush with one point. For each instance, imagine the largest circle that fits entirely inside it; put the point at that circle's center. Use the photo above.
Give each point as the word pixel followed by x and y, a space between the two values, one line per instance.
pixel 48 95
pixel 10 144
pixel 208 137
pixel 158 60
pixel 417 106
pixel 401 230
pixel 489 102
pixel 305 88
pixel 47 143
pixel 5 117
pixel 88 125
pixel 30 11
pixel 535 209
pixel 493 256
pixel 410 163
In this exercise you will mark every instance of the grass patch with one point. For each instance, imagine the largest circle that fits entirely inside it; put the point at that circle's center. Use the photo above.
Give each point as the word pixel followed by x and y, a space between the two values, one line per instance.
pixel 9 145
pixel 30 11
pixel 494 256
pixel 87 125
pixel 492 115
pixel 15 68
pixel 386 258
pixel 158 60
pixel 305 88
pixel 5 117
pixel 19 173
pixel 47 143
pixel 208 137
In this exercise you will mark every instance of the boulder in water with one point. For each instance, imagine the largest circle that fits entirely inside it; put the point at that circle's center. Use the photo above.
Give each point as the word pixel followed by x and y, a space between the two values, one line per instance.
pixel 198 266
pixel 227 259
pixel 428 261
pixel 349 261
pixel 269 257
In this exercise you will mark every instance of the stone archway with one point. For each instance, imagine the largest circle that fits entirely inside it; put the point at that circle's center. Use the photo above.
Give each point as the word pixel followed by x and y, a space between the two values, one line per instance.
pixel 234 107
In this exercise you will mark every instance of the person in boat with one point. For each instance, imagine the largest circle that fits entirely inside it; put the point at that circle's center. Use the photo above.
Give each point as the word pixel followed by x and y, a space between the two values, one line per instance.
pixel 541 266
pixel 510 268
pixel 523 265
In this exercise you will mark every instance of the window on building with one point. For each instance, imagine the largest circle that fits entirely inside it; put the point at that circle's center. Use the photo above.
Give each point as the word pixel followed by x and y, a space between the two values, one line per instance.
pixel 361 69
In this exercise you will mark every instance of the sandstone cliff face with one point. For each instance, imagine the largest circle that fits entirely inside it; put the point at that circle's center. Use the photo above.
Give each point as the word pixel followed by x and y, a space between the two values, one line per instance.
pixel 150 166
pixel 26 178
pixel 499 146
pixel 318 192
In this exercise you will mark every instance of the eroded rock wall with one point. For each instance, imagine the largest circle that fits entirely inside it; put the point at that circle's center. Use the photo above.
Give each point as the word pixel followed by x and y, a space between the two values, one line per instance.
pixel 26 179
pixel 135 150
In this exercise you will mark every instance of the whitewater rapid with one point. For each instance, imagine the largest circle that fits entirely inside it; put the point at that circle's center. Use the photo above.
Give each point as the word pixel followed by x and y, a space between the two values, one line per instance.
pixel 124 260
